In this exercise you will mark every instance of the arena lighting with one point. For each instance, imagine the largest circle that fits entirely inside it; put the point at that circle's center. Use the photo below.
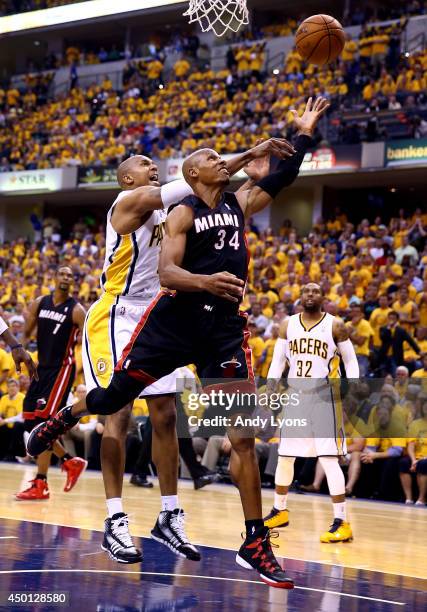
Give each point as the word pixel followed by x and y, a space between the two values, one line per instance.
pixel 75 12
pixel 276 71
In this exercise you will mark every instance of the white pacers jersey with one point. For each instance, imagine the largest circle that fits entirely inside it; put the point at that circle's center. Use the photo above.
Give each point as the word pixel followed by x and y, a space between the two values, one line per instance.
pixel 132 260
pixel 311 351
pixel 313 426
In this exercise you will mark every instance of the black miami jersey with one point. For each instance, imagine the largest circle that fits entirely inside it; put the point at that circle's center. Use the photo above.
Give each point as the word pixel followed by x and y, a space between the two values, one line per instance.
pixel 216 242
pixel 197 327
pixel 56 332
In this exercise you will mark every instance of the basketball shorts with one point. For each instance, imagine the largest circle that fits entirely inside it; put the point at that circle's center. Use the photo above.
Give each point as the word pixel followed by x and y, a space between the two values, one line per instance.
pixel 48 394
pixel 312 423
pixel 175 332
pixel 109 325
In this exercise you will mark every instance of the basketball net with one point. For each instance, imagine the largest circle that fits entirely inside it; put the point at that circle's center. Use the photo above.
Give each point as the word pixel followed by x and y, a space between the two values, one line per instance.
pixel 220 16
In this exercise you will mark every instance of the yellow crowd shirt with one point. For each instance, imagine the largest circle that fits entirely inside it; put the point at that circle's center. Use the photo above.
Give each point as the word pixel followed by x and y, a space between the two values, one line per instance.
pixel 11 407
pixel 362 329
pixel 377 320
pixel 417 433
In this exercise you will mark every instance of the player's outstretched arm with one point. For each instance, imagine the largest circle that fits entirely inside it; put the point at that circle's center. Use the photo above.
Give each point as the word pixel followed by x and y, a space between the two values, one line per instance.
pixel 265 189
pixel 279 147
pixel 138 203
pixel 345 347
pixel 173 276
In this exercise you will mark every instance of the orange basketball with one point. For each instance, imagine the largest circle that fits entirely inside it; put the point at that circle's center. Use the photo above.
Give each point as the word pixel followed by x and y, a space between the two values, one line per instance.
pixel 320 39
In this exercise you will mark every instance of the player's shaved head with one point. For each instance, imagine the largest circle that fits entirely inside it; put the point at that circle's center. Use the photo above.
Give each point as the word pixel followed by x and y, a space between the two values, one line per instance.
pixel 124 168
pixel 129 172
pixel 64 279
pixel 193 161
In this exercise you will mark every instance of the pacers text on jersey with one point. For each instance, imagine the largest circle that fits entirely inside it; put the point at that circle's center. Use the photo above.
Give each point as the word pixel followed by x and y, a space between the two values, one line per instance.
pixel 308 346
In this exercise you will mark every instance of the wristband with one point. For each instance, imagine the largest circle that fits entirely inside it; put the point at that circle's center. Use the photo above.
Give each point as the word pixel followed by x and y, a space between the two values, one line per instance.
pixel 287 169
pixel 16 346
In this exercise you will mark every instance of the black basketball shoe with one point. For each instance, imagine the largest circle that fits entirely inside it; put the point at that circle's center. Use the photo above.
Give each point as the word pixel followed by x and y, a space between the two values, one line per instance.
pixel 43 436
pixel 117 540
pixel 256 553
pixel 169 530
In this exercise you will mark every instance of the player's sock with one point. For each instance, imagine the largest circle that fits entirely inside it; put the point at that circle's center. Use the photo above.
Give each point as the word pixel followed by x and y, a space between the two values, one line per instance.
pixel 66 457
pixel 340 511
pixel 252 526
pixel 280 501
pixel 169 502
pixel 41 477
pixel 114 506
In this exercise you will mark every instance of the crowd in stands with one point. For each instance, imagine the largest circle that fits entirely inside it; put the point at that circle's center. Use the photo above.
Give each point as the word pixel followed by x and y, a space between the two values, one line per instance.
pixel 373 275
pixel 157 46
pixel 228 110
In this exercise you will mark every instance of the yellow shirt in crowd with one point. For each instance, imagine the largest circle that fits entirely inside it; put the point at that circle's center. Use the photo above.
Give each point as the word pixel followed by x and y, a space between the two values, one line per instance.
pixel 377 320
pixel 417 433
pixel 11 407
pixel 257 345
pixel 364 329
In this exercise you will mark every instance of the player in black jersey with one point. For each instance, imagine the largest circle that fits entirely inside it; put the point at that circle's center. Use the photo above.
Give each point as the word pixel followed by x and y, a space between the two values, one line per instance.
pixel 58 318
pixel 204 258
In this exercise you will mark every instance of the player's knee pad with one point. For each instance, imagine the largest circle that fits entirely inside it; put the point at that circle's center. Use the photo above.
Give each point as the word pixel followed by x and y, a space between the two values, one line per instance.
pixel 334 475
pixel 284 471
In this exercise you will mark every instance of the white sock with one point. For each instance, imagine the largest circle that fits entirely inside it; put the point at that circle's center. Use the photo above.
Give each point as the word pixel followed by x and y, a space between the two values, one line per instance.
pixel 114 506
pixel 340 511
pixel 280 501
pixel 169 502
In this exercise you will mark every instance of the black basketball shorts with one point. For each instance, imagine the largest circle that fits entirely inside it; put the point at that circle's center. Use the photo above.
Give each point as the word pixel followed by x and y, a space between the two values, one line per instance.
pixel 174 333
pixel 48 394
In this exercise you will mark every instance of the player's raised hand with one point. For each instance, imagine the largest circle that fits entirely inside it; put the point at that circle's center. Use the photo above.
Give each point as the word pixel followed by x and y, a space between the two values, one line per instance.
pixel 258 168
pixel 20 355
pixel 279 147
pixel 225 285
pixel 312 113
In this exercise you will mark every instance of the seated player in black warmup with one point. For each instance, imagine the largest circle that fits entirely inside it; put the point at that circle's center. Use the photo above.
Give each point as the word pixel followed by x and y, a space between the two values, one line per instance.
pixel 58 318
pixel 204 258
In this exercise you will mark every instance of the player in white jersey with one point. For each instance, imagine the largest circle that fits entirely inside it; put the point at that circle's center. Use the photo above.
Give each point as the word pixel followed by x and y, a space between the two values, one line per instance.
pixel 310 344
pixel 130 281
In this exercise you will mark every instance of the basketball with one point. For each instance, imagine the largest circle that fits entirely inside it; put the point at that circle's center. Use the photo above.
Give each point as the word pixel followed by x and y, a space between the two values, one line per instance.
pixel 320 39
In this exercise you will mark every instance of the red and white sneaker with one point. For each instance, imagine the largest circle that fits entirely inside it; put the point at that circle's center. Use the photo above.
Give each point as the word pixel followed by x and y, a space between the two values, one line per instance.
pixel 37 491
pixel 74 468
pixel 256 553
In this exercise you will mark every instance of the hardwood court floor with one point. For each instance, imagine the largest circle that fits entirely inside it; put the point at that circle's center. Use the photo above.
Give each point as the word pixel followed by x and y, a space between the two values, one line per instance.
pixel 389 538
